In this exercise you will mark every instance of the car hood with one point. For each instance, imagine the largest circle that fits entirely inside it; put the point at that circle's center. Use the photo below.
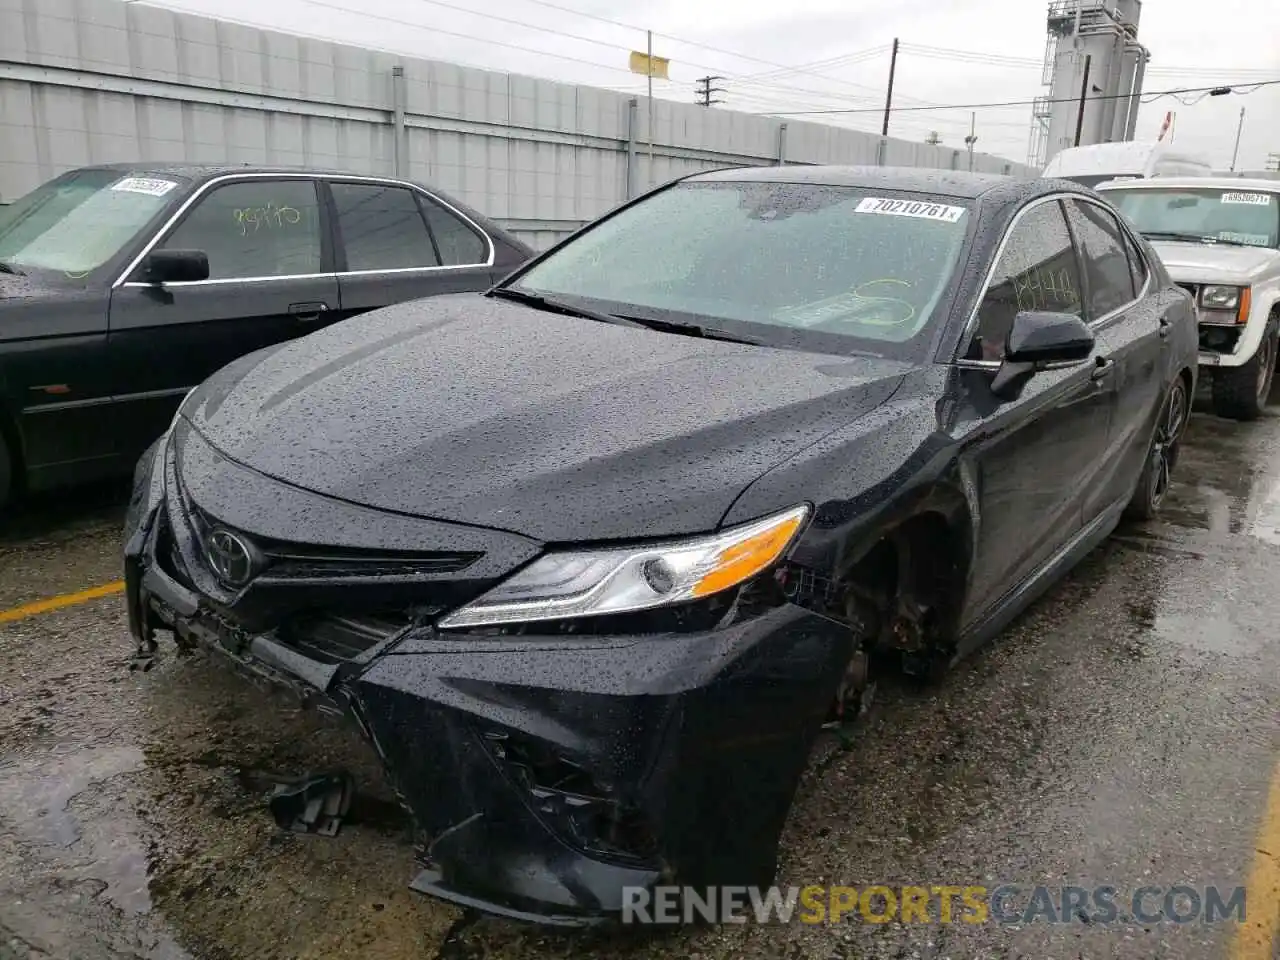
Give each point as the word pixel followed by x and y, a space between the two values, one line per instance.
pixel 479 411
pixel 1214 263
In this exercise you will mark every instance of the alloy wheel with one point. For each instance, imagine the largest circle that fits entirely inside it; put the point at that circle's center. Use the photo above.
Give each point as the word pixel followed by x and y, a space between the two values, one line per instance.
pixel 1164 451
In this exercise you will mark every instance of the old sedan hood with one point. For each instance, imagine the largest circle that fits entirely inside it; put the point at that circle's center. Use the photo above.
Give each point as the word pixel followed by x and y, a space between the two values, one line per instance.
pixel 478 411
pixel 1215 263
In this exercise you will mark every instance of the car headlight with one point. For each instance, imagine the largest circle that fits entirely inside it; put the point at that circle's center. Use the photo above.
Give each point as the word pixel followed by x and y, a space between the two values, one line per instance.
pixel 582 583
pixel 1216 297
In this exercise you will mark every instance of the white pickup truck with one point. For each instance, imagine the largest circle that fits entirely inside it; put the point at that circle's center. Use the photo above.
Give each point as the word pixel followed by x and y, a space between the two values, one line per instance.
pixel 1219 237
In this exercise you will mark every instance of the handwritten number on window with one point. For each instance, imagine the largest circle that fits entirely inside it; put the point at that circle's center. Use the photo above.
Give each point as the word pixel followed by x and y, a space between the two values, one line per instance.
pixel 269 217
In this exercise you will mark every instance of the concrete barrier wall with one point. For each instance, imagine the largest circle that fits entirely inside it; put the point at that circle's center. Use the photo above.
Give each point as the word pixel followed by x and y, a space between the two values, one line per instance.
pixel 90 81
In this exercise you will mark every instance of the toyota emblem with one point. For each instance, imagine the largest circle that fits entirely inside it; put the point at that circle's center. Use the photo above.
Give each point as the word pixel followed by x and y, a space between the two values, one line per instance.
pixel 229 557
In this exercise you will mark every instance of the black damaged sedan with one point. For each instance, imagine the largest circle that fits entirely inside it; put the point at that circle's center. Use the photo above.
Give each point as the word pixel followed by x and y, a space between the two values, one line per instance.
pixel 592 557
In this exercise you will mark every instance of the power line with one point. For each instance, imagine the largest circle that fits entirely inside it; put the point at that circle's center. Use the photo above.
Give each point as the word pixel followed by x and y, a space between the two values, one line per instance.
pixel 1146 98
pixel 666 36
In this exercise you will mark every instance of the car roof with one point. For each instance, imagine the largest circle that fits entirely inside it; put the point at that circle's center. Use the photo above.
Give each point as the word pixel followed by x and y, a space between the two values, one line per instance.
pixel 955 183
pixel 1211 183
pixel 205 171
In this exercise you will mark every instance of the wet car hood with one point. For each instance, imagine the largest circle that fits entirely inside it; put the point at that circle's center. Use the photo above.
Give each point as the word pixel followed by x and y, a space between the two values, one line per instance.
pixel 1215 263
pixel 14 287
pixel 473 410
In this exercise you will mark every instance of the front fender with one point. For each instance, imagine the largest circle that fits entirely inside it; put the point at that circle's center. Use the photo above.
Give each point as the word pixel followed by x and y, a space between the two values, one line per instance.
pixel 1266 300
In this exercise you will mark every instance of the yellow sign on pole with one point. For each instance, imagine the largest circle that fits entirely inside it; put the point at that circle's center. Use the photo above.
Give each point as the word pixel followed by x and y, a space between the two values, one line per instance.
pixel 649 66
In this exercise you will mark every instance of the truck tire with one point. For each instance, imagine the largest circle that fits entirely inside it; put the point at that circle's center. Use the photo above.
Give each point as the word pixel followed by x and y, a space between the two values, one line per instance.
pixel 1240 393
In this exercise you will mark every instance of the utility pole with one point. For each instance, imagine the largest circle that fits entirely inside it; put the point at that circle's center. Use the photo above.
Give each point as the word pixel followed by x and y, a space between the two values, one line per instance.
pixel 649 71
pixel 1235 154
pixel 705 91
pixel 888 99
pixel 972 138
pixel 1084 93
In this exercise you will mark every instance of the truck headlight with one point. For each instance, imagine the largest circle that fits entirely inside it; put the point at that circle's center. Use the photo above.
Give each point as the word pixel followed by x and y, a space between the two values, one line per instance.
pixel 591 582
pixel 1217 297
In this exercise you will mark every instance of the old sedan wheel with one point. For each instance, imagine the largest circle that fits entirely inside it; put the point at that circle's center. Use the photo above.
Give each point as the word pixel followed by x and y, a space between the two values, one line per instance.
pixel 1153 485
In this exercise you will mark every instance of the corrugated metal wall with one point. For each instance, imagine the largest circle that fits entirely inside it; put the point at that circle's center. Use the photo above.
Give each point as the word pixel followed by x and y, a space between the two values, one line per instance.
pixel 89 81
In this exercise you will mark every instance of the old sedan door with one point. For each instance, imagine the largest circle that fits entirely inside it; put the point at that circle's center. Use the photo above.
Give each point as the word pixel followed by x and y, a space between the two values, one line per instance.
pixel 270 279
pixel 1033 457
pixel 396 243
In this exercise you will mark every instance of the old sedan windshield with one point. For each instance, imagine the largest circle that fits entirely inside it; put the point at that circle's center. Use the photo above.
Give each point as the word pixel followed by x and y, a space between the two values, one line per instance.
pixel 826 267
pixel 78 222
pixel 1180 213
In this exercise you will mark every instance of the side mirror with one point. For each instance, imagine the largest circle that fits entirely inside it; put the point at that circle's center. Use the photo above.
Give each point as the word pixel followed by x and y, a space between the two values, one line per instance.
pixel 175 266
pixel 1037 340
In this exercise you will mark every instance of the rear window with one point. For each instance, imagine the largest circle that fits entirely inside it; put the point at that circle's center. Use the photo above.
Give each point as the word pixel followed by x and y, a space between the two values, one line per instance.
pixel 1237 216
pixel 828 267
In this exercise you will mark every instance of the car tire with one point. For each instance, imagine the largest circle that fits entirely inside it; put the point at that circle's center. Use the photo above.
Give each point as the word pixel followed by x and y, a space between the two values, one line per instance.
pixel 1240 393
pixel 1162 457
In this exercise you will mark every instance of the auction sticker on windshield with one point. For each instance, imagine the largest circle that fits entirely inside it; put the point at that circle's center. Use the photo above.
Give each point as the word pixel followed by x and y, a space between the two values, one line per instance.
pixel 1255 199
pixel 148 185
pixel 910 208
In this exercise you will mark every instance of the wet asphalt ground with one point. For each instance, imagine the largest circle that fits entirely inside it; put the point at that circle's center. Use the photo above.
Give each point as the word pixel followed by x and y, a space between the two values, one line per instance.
pixel 1123 732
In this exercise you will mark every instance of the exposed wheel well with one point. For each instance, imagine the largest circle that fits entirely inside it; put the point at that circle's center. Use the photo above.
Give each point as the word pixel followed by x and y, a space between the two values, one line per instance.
pixel 906 591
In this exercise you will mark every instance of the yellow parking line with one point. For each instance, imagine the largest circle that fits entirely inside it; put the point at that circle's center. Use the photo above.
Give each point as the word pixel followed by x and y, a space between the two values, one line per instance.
pixel 57 603
pixel 1256 940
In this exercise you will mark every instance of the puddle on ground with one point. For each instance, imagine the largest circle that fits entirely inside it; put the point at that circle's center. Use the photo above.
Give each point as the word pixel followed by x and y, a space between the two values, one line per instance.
pixel 55 808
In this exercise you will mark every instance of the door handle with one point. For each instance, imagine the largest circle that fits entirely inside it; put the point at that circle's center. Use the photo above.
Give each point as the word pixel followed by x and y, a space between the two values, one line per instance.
pixel 308 312
pixel 1103 368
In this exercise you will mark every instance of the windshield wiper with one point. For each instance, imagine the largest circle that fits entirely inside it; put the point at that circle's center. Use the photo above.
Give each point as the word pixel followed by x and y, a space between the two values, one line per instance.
pixel 1171 235
pixel 11 269
pixel 541 302
pixel 693 330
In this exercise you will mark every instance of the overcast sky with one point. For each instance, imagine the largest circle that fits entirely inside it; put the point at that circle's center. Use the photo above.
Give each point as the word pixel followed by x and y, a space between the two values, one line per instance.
pixel 807 55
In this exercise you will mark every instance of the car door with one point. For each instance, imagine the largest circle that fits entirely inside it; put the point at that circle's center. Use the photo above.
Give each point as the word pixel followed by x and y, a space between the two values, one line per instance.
pixel 397 243
pixel 1128 331
pixel 1034 456
pixel 270 279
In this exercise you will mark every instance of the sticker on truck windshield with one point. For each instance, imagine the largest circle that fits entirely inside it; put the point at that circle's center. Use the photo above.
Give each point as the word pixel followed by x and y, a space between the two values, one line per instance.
pixel 148 185
pixel 1253 239
pixel 910 208
pixel 1255 199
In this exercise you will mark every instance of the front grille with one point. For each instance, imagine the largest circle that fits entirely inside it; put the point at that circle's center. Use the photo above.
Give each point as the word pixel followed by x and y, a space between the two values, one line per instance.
pixel 339 638
pixel 1193 289
pixel 287 559
pixel 302 560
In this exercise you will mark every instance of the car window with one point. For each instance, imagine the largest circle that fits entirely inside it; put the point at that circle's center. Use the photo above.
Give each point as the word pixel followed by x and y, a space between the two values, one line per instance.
pixel 1037 270
pixel 1137 263
pixel 1106 261
pixel 835 268
pixel 79 221
pixel 459 244
pixel 382 227
pixel 256 228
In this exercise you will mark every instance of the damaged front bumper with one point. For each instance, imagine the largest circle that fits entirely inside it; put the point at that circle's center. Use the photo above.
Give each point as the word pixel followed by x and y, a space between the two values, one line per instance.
pixel 546 774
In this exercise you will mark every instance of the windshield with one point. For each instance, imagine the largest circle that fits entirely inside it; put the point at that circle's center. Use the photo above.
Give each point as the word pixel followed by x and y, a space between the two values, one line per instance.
pixel 1230 216
pixel 833 269
pixel 78 222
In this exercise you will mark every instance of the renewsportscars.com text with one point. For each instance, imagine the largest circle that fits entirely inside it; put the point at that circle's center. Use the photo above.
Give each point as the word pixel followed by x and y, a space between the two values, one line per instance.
pixel 940 903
